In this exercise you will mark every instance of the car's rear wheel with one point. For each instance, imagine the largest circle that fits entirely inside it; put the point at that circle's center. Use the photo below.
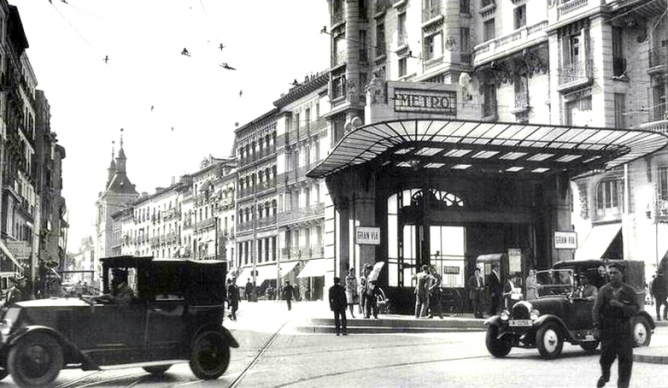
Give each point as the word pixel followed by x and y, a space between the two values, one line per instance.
pixel 549 341
pixel 35 361
pixel 589 346
pixel 496 347
pixel 642 332
pixel 210 355
pixel 157 370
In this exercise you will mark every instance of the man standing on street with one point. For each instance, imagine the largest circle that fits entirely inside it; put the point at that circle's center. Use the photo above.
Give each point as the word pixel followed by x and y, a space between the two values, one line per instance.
pixel 615 306
pixel 495 289
pixel 232 298
pixel 660 293
pixel 337 303
pixel 435 280
pixel 476 287
pixel 288 292
pixel 248 291
pixel 422 292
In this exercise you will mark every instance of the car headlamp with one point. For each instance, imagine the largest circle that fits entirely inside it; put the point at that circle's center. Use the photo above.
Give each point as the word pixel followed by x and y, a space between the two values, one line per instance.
pixel 534 314
pixel 504 315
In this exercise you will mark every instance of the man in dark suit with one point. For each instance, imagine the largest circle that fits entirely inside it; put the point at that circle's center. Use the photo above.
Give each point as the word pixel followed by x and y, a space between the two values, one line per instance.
pixel 495 289
pixel 338 303
pixel 288 293
pixel 476 286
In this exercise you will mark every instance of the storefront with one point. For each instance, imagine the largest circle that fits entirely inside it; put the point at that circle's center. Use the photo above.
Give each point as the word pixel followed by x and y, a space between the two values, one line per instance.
pixel 443 189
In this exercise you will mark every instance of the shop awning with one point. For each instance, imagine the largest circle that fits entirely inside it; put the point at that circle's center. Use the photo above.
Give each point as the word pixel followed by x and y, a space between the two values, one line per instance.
pixel 264 273
pixel 597 241
pixel 242 278
pixel 507 148
pixel 317 267
pixel 6 251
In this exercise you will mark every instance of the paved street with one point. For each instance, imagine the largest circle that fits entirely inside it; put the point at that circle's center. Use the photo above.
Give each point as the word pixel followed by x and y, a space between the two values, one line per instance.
pixel 295 359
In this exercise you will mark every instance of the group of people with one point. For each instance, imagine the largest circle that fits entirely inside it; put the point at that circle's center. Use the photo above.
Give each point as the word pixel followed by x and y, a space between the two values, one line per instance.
pixel 428 293
pixel 364 293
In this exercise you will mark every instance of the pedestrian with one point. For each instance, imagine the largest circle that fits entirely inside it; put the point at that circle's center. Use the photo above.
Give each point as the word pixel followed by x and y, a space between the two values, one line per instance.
pixel 603 278
pixel 248 290
pixel 586 290
pixel 512 293
pixel 435 280
pixel 78 289
pixel 233 298
pixel 364 278
pixel 18 292
pixel 495 289
pixel 532 285
pixel 651 290
pixel 660 291
pixel 421 292
pixel 337 303
pixel 351 291
pixel 614 309
pixel 476 287
pixel 288 294
pixel 371 299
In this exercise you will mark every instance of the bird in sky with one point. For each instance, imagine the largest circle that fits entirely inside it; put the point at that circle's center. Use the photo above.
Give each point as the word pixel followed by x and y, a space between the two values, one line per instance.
pixel 185 52
pixel 221 47
pixel 226 66
pixel 106 59
pixel 240 92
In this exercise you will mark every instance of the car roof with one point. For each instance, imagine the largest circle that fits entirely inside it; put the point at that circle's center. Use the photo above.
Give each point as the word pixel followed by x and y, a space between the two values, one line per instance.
pixel 136 261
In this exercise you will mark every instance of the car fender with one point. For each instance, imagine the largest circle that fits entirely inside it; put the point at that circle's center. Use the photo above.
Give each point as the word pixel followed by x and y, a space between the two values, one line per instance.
pixel 648 317
pixel 68 347
pixel 544 319
pixel 493 320
pixel 226 333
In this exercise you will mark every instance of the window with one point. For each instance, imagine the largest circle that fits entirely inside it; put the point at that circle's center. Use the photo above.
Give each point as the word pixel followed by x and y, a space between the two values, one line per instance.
pixel 465 7
pixel 380 39
pixel 618 60
pixel 433 46
pixel 465 38
pixel 402 66
pixel 489 105
pixel 363 47
pixel 338 86
pixel 608 197
pixel 489 30
pixel 663 183
pixel 660 108
pixel 401 29
pixel 573 49
pixel 339 48
pixel 579 111
pixel 619 110
pixel 520 16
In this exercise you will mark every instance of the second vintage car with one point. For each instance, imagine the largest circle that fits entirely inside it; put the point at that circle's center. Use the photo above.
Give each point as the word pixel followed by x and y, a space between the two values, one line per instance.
pixel 559 315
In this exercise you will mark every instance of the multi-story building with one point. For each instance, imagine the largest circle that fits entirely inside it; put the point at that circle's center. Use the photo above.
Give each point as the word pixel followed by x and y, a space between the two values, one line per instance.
pixel 303 138
pixel 119 193
pixel 521 80
pixel 256 206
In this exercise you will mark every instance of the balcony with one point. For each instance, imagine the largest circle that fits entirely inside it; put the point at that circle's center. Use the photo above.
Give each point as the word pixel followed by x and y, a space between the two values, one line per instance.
pixel 521 101
pixel 208 223
pixel 656 126
pixel 337 17
pixel 243 226
pixel 267 221
pixel 381 6
pixel 567 7
pixel 509 43
pixel 266 185
pixel 575 75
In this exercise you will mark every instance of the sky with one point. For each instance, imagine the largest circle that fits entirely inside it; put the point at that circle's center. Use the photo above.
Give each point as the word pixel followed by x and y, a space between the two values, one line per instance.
pixel 175 110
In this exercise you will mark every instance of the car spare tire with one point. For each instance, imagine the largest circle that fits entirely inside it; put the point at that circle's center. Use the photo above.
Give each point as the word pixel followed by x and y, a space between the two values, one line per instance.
pixel 35 361
pixel 642 331
pixel 210 355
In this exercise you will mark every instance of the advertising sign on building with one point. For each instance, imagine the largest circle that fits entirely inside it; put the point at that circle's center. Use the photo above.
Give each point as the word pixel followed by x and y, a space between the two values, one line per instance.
pixel 365 235
pixel 443 102
pixel 565 240
pixel 20 249
pixel 514 260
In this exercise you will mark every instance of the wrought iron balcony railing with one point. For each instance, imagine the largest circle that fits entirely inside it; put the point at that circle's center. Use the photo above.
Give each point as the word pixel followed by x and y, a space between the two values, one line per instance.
pixel 577 71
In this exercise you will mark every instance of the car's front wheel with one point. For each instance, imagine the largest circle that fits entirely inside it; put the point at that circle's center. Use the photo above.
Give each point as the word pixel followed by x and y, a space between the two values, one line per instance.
pixel 549 341
pixel 157 370
pixel 3 373
pixel 496 347
pixel 210 355
pixel 642 332
pixel 35 361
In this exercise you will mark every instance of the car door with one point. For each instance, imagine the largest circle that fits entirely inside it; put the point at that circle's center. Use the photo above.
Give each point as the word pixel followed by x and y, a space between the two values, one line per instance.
pixel 111 333
pixel 166 328
pixel 579 316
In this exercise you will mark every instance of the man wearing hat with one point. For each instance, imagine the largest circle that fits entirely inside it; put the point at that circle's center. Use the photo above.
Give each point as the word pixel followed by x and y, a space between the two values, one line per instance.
pixel 19 291
pixel 338 303
pixel 660 292
pixel 613 311
pixel 121 292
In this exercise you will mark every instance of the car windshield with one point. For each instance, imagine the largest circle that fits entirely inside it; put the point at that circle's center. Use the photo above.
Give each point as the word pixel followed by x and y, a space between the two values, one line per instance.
pixel 555 282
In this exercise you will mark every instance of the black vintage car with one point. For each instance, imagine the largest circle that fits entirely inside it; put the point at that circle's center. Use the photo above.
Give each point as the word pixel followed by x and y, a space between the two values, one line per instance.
pixel 559 315
pixel 176 316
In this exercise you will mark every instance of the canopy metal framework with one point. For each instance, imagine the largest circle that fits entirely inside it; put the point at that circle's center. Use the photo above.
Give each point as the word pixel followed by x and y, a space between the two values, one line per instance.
pixel 514 149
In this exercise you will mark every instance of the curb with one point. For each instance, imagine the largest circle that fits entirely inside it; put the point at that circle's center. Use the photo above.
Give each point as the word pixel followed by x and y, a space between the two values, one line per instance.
pixel 327 329
pixel 650 359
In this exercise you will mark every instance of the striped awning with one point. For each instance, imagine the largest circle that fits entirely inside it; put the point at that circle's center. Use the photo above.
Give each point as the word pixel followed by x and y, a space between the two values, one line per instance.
pixel 491 147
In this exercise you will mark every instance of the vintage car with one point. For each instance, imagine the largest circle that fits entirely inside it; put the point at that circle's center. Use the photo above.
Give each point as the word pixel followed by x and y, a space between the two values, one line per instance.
pixel 559 315
pixel 176 316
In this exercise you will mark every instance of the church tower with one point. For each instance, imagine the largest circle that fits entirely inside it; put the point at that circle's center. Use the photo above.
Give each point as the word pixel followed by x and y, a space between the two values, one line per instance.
pixel 118 194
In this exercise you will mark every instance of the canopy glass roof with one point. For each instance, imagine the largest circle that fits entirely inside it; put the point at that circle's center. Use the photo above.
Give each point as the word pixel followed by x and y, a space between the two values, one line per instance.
pixel 507 148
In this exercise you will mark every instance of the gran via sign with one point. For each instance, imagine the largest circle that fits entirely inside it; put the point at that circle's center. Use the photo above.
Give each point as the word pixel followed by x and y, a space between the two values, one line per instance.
pixel 365 235
pixel 443 102
pixel 565 240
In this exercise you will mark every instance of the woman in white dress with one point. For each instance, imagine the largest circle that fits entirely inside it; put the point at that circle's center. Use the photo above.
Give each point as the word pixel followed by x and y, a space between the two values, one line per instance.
pixel 351 290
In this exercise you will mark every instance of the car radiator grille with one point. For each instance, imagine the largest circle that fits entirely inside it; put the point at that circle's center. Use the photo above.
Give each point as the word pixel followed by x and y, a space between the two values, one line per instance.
pixel 520 311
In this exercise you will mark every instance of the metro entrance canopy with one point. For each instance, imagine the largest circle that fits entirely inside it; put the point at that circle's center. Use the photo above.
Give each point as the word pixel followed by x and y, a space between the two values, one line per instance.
pixel 508 148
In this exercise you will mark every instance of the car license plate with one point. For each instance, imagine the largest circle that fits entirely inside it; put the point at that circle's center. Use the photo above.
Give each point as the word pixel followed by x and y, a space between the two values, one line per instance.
pixel 520 322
